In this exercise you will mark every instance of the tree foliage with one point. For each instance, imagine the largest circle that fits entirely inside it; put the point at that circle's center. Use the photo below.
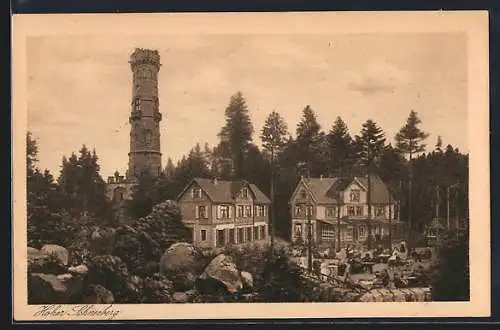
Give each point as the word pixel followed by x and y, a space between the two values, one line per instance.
pixel 236 134
pixel 410 139
pixel 451 280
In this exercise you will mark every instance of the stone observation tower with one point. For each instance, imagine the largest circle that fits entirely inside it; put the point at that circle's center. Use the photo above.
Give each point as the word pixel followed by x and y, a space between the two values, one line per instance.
pixel 145 117
pixel 145 153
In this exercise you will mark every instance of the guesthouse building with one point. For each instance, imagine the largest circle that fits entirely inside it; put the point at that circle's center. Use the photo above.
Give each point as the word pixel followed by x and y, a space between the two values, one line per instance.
pixel 338 204
pixel 220 213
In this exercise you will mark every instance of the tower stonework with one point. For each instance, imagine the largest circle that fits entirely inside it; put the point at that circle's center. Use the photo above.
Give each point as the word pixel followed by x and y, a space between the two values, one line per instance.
pixel 145 117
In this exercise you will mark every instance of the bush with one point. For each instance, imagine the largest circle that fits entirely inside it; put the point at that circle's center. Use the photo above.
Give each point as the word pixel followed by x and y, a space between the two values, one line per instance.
pixel 451 270
pixel 281 279
pixel 110 272
pixel 156 289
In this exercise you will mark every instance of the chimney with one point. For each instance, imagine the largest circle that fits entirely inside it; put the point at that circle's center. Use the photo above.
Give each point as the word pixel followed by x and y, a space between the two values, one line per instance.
pixel 321 177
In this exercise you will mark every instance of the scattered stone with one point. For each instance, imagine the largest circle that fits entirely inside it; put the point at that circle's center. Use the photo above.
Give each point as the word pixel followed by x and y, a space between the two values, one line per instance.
pixel 60 252
pixel 50 289
pixel 65 277
pixel 180 297
pixel 247 280
pixel 80 269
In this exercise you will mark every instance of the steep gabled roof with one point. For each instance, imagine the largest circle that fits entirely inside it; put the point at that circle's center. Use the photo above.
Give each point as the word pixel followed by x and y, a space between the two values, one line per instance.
pixel 380 192
pixel 330 190
pixel 321 189
pixel 226 191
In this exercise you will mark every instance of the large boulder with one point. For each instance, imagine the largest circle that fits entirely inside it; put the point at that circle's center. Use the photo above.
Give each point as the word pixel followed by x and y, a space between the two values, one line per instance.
pixel 221 274
pixel 97 294
pixel 80 269
pixel 59 251
pixel 179 256
pixel 247 280
pixel 52 289
pixel 180 263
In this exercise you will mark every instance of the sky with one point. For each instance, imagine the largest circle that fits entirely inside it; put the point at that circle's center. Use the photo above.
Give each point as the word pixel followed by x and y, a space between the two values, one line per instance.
pixel 80 87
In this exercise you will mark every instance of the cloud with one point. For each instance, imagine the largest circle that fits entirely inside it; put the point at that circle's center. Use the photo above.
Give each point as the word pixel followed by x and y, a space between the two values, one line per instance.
pixel 377 77
pixel 371 85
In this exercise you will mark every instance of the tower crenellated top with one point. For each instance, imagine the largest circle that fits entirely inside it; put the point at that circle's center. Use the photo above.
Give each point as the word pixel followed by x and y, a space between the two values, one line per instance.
pixel 145 56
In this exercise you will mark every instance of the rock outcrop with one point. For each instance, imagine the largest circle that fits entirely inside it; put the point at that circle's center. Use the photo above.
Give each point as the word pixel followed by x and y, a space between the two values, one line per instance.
pixel 221 274
pixel 180 264
pixel 60 252
pixel 53 289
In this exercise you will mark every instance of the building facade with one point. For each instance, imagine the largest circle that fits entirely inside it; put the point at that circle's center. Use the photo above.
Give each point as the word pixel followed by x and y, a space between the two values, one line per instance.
pixel 221 213
pixel 145 116
pixel 339 206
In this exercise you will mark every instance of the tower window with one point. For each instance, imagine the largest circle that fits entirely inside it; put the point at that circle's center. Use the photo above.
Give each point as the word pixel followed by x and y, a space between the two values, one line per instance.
pixel 148 136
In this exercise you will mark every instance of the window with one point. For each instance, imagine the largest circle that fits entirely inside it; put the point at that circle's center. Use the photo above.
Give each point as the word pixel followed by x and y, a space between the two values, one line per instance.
pixel 220 237
pixel 355 195
pixel 240 234
pixel 350 211
pixel 362 231
pixel 298 209
pixel 309 210
pixel 348 234
pixel 262 232
pixel 327 233
pixel 260 210
pixel 148 135
pixel 244 193
pixel 248 211
pixel 359 210
pixel 196 192
pixel 202 212
pixel 331 211
pixel 303 194
pixel 231 236
pixel 203 235
pixel 137 105
pixel 379 211
pixel 224 212
pixel 240 211
pixel 249 234
pixel 119 195
pixel 298 230
pixel 256 233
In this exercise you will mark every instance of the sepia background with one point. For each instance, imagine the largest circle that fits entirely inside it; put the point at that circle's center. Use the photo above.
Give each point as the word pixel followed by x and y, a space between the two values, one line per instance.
pixel 80 87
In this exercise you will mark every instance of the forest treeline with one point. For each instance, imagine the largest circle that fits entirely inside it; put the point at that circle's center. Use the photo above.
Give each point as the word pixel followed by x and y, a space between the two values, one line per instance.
pixel 418 172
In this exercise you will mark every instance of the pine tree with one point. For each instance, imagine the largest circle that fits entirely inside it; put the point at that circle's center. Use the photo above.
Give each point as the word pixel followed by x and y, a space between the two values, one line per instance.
pixel 409 140
pixel 439 144
pixel 169 169
pixel 236 135
pixel 370 144
pixel 340 147
pixel 31 154
pixel 83 187
pixel 311 143
pixel 273 136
